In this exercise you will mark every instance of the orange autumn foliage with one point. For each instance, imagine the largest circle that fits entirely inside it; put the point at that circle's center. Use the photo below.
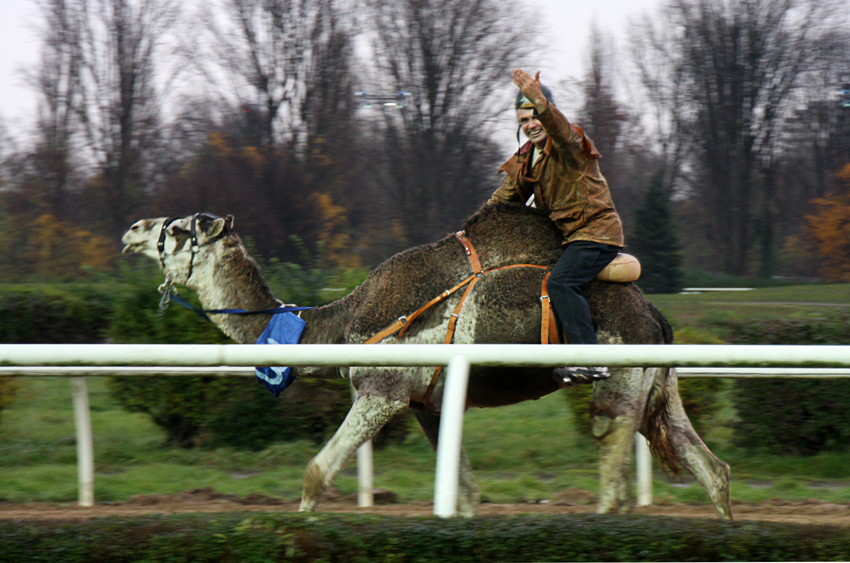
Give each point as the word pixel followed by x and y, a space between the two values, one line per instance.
pixel 829 229
pixel 61 251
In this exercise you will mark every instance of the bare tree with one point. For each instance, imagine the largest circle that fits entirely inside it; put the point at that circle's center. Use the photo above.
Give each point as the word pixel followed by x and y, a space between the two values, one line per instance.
pixel 57 81
pixel 739 63
pixel 454 58
pixel 285 68
pixel 271 52
pixel 816 142
pixel 663 99
pixel 121 41
pixel 626 162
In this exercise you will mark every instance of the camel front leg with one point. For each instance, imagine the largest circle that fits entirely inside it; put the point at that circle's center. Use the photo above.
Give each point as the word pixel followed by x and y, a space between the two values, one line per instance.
pixel 469 495
pixel 615 411
pixel 616 462
pixel 368 414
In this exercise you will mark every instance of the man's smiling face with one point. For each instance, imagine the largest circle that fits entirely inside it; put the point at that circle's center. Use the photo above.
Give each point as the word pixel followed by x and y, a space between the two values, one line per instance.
pixel 532 127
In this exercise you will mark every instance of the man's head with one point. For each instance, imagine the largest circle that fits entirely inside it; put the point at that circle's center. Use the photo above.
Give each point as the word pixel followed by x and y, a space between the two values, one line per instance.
pixel 527 117
pixel 531 127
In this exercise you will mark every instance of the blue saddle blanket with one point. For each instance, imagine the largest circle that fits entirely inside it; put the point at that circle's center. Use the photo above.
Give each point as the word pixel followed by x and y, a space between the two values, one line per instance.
pixel 283 328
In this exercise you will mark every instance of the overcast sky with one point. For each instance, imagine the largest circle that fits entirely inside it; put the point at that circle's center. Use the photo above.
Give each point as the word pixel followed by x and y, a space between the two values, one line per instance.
pixel 567 23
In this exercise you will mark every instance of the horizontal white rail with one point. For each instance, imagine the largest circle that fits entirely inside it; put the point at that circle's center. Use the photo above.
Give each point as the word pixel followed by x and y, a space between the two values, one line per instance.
pixel 126 371
pixel 706 289
pixel 532 355
pixel 242 371
pixel 771 373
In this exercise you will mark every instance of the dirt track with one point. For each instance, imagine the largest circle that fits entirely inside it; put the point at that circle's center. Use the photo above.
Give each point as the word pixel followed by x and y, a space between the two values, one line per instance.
pixel 571 501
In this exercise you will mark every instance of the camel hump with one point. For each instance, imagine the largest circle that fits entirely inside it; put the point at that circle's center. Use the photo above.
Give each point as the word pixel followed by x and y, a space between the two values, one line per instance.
pixel 624 268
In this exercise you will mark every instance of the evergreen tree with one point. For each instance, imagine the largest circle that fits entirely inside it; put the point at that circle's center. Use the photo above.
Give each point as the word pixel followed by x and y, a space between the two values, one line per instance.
pixel 654 242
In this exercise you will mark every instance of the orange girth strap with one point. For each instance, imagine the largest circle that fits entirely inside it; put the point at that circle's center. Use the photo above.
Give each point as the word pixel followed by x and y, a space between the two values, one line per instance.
pixel 450 334
pixel 471 253
pixel 403 323
pixel 548 325
pixel 549 331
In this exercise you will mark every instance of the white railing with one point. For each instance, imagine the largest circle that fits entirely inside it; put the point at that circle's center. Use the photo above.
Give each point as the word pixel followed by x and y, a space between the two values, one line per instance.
pixel 230 359
pixel 531 355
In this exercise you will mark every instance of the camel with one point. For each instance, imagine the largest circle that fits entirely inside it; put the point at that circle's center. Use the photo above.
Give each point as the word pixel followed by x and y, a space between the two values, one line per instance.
pixel 204 253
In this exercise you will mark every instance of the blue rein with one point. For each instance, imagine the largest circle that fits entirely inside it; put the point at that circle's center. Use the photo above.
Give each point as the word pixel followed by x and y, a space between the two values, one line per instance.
pixel 169 294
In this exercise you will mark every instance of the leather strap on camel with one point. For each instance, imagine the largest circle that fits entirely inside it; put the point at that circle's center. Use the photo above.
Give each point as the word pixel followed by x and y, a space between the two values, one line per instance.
pixel 621 269
pixel 401 325
pixel 548 324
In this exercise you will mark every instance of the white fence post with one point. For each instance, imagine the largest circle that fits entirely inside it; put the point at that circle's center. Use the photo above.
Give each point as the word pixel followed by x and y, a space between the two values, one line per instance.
pixel 643 460
pixel 365 476
pixel 365 471
pixel 449 443
pixel 85 449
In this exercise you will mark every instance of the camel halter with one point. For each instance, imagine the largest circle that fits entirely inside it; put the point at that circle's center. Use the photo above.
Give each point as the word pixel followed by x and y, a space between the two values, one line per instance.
pixel 166 289
pixel 160 244
pixel 169 292
pixel 193 234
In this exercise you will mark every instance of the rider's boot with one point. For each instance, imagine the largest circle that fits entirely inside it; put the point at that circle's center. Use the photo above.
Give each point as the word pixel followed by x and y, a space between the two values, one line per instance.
pixel 570 376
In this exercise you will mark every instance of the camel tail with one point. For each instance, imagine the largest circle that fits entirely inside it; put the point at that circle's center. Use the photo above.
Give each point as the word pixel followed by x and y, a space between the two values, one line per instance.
pixel 656 424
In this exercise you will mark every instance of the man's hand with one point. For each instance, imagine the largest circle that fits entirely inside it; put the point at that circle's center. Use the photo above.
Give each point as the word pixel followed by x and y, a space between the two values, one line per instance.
pixel 530 88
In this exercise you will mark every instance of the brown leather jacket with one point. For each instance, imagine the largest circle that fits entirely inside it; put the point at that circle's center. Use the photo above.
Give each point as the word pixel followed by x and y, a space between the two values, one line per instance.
pixel 566 183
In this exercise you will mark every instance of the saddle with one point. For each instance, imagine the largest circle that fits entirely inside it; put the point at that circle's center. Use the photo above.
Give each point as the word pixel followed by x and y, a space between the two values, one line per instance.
pixel 623 269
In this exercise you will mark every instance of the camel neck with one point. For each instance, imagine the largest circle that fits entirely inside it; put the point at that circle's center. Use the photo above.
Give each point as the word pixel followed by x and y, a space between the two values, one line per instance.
pixel 326 325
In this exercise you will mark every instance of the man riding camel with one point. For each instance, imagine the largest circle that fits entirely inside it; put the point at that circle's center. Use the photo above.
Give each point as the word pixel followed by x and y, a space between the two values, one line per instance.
pixel 557 171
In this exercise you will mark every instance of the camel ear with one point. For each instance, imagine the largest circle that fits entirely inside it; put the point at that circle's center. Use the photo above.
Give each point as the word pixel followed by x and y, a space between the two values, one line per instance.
pixel 218 226
pixel 229 220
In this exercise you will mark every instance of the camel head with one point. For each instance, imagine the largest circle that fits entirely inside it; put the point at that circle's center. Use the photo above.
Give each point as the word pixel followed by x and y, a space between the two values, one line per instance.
pixel 187 241
pixel 143 236
pixel 200 229
pixel 164 239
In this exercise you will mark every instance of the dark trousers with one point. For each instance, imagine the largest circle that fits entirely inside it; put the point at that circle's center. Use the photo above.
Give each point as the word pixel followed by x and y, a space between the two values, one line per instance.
pixel 576 268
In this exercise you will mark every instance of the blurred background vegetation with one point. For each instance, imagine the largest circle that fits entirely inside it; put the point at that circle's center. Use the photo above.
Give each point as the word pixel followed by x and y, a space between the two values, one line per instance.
pixel 734 164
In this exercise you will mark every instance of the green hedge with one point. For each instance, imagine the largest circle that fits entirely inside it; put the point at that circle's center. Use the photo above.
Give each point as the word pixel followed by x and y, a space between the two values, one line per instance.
pixel 331 538
pixel 55 314
pixel 38 313
pixel 793 416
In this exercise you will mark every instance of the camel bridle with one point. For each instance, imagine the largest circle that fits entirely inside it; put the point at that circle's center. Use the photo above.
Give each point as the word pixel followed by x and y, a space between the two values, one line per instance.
pixel 169 292
pixel 166 289
pixel 160 243
pixel 193 236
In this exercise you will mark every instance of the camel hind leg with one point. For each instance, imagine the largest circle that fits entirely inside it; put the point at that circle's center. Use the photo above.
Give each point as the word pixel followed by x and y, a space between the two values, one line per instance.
pixel 368 414
pixel 692 453
pixel 469 496
pixel 677 445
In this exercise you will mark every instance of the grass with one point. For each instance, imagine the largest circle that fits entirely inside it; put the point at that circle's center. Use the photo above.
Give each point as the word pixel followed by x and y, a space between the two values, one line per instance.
pixel 525 452
pixel 705 313
pixel 522 453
